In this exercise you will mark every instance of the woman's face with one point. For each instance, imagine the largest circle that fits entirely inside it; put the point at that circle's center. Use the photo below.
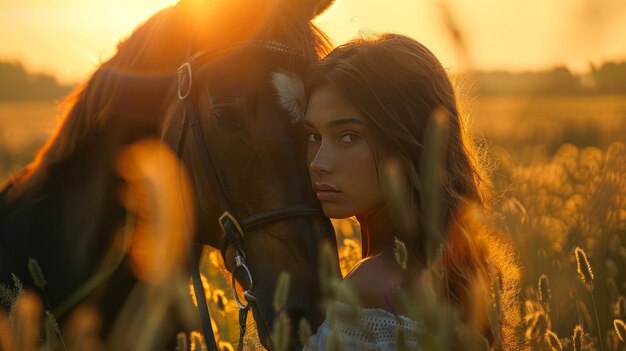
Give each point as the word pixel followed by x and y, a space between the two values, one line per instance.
pixel 341 162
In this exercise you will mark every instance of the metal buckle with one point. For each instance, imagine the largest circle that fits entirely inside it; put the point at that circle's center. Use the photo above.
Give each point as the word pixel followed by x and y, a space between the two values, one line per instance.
pixel 184 80
pixel 225 216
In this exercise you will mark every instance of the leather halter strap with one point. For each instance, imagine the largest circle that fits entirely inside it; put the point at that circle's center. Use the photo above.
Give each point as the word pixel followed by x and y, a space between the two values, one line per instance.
pixel 233 229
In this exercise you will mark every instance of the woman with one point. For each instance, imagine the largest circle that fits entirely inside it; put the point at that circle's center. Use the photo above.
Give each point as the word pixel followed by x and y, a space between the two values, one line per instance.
pixel 374 105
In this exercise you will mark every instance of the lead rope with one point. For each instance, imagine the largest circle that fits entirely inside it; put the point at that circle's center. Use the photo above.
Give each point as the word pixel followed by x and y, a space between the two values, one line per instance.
pixel 243 317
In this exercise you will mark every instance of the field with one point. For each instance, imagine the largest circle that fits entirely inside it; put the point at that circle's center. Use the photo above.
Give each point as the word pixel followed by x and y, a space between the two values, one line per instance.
pixel 561 178
pixel 24 127
pixel 559 175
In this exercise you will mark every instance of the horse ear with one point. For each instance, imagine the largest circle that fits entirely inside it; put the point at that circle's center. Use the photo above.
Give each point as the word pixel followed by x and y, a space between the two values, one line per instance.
pixel 291 95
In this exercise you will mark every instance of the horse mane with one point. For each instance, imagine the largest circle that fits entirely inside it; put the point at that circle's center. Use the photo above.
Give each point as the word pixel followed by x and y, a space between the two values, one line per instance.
pixel 118 95
pixel 286 23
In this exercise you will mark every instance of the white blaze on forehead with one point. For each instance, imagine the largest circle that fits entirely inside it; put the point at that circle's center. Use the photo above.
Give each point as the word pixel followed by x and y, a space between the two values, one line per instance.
pixel 290 91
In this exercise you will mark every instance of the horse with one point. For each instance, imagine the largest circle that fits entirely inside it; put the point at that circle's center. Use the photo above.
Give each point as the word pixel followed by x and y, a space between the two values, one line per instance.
pixel 242 57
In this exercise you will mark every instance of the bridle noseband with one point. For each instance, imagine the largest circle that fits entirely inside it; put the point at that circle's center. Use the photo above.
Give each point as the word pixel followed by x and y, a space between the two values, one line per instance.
pixel 233 229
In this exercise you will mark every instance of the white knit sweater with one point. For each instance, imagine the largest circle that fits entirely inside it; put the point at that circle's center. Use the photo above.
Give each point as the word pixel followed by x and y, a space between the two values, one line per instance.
pixel 364 329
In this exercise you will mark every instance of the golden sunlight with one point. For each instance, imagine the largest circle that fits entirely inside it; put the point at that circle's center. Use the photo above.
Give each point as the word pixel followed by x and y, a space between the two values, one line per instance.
pixel 69 38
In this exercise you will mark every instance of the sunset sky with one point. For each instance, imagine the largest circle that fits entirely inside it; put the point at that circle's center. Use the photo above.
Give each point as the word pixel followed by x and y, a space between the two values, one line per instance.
pixel 68 38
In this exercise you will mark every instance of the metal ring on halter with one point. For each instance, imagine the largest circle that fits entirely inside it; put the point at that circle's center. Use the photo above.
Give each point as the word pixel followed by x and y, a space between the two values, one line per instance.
pixel 184 80
pixel 240 263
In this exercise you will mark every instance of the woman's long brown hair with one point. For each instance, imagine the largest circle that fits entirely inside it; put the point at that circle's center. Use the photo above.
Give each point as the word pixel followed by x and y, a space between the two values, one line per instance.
pixel 400 87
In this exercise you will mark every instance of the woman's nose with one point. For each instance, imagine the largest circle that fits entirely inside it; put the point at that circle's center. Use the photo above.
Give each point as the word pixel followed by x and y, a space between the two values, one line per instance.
pixel 322 160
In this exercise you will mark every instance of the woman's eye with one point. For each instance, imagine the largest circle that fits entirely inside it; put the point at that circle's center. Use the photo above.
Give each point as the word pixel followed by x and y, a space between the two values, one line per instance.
pixel 349 138
pixel 313 137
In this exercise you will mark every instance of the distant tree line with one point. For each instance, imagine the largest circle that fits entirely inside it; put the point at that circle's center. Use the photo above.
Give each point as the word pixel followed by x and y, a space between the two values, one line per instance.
pixel 18 84
pixel 610 78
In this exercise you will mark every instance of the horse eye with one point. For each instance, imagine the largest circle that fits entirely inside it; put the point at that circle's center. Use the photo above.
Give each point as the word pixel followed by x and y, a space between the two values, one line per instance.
pixel 228 114
pixel 221 113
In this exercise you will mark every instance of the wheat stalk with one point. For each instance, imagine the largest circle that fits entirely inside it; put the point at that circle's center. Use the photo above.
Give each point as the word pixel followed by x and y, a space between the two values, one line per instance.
pixel 304 332
pixel 586 274
pixel 577 338
pixel 620 329
pixel 553 341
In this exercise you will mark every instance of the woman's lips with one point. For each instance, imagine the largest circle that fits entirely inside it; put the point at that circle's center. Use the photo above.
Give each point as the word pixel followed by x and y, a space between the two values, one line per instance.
pixel 326 192
pixel 327 195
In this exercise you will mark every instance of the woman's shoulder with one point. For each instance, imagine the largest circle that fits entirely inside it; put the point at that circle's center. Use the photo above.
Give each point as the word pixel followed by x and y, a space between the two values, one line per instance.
pixel 376 282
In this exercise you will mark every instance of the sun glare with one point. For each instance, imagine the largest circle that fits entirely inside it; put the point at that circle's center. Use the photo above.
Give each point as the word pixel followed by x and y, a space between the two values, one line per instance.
pixel 69 38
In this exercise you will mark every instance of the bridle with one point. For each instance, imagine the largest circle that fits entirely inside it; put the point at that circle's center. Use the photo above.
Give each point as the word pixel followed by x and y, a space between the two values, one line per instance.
pixel 233 229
